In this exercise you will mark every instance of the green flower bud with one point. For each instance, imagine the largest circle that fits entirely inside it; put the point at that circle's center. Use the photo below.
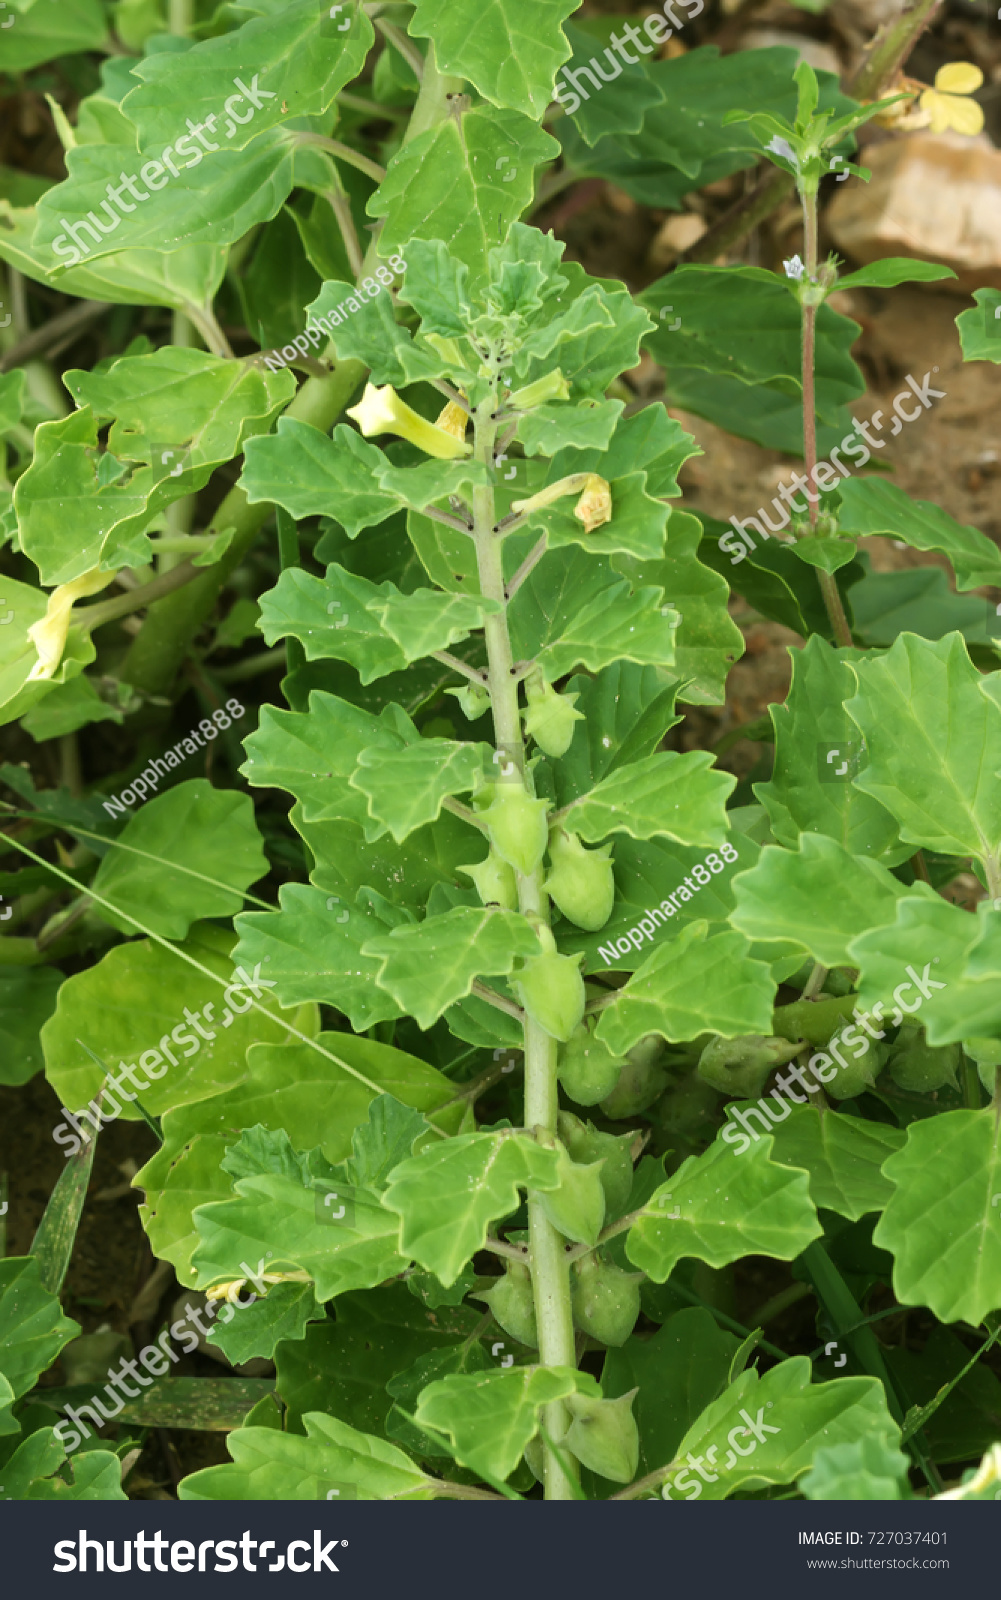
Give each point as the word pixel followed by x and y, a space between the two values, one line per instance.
pixel 473 700
pixel 551 990
pixel 641 1080
pixel 740 1067
pixel 577 1208
pixel 552 387
pixel 606 1300
pixel 494 880
pixel 914 1065
pixel 603 1435
pixel 512 1303
pixel 580 881
pixel 517 823
pixel 613 1150
pixel 550 719
pixel 587 1070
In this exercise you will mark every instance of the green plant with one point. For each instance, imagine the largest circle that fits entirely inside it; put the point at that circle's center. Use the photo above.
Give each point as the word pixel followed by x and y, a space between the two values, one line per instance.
pixel 490 620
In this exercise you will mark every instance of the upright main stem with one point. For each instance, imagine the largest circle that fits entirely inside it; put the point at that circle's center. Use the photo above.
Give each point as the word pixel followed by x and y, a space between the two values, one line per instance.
pixel 550 1270
pixel 828 587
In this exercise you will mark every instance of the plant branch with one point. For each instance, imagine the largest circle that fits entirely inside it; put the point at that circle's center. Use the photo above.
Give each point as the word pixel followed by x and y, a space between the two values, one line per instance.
pixel 400 43
pixel 41 340
pixel 768 193
pixel 499 1001
pixel 450 522
pixel 510 1252
pixel 465 812
pixel 123 605
pixel 448 660
pixel 532 560
pixel 341 207
pixel 344 152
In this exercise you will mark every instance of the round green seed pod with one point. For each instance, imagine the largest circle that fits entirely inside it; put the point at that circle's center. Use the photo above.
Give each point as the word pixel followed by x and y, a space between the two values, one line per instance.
pixel 551 990
pixel 473 699
pixel 512 1303
pixel 603 1435
pixel 605 1300
pixel 613 1150
pixel 550 719
pixel 856 1075
pixel 740 1067
pixel 580 881
pixel 494 880
pixel 587 1070
pixel 641 1080
pixel 914 1065
pixel 517 823
pixel 577 1208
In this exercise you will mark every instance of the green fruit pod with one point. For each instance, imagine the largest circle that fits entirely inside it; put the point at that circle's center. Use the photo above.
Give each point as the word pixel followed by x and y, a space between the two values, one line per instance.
pixel 606 1301
pixel 613 1150
pixel 856 1075
pixel 916 1066
pixel 518 830
pixel 577 1208
pixel 587 1070
pixel 581 881
pixel 551 990
pixel 513 1304
pixel 741 1067
pixel 641 1080
pixel 494 880
pixel 550 720
pixel 603 1435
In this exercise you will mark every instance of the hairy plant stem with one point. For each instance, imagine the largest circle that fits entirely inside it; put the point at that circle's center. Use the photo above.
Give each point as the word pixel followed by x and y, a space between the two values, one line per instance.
pixel 828 587
pixel 889 50
pixel 550 1270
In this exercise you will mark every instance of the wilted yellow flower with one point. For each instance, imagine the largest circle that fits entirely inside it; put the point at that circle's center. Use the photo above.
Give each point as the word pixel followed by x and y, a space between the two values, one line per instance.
pixel 48 635
pixel 945 105
pixel 594 508
pixel 382 411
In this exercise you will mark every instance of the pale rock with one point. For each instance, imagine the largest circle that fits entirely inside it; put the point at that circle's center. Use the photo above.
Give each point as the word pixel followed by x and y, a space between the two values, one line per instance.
pixel 933 196
pixel 673 237
pixel 820 56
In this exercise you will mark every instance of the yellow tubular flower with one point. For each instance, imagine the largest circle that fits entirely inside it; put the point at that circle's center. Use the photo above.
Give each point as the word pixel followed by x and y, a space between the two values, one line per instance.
pixel 944 103
pixel 382 411
pixel 48 635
